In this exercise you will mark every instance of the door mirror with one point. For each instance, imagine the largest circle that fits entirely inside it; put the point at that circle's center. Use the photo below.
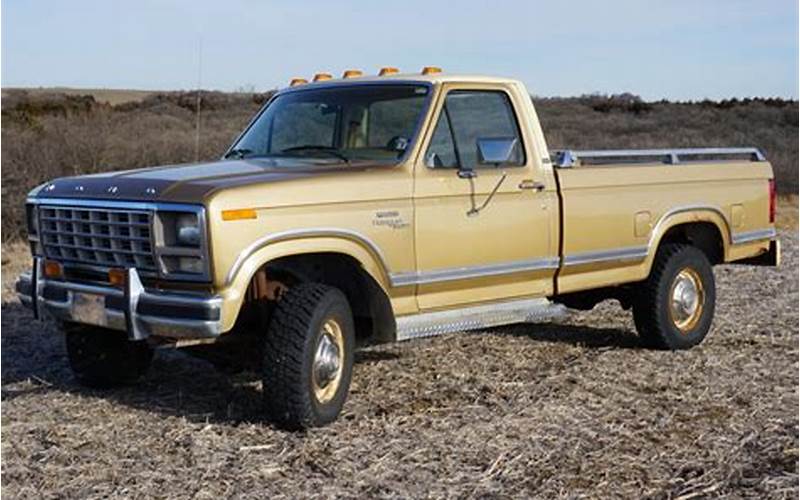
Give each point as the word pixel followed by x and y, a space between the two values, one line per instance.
pixel 496 150
pixel 466 172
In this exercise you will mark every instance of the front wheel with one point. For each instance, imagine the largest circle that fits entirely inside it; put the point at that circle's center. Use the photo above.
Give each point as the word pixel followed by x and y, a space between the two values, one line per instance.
pixel 308 356
pixel 675 305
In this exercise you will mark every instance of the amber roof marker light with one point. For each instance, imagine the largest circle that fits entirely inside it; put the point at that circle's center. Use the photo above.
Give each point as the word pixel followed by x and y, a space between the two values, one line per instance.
pixel 431 70
pixel 297 81
pixel 352 73
pixel 321 77
pixel 388 70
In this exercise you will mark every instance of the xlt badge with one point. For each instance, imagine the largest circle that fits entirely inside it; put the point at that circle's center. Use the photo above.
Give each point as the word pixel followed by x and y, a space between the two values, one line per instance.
pixel 390 218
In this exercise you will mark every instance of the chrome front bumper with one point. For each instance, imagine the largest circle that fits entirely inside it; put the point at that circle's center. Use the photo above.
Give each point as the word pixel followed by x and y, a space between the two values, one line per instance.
pixel 139 311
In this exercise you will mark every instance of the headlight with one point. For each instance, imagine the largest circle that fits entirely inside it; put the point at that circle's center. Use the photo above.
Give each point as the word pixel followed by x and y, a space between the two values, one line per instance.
pixel 181 244
pixel 183 265
pixel 187 230
pixel 181 229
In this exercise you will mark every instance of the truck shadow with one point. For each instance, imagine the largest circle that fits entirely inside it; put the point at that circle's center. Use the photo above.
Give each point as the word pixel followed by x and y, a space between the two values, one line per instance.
pixel 579 335
pixel 34 365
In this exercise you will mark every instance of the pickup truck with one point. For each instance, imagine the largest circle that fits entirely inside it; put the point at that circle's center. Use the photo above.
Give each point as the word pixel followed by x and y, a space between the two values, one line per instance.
pixel 371 209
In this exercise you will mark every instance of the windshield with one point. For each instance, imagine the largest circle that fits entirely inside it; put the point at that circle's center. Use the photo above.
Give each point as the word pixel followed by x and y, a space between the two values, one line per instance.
pixel 361 122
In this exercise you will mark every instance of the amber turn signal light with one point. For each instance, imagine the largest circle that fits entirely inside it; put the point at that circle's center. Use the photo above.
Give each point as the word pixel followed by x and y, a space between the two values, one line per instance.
pixel 116 276
pixel 431 70
pixel 321 77
pixel 388 71
pixel 53 269
pixel 352 73
pixel 297 81
pixel 239 214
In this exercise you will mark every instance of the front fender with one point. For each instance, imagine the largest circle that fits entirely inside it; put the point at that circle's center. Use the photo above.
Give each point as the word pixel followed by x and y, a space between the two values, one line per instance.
pixel 291 244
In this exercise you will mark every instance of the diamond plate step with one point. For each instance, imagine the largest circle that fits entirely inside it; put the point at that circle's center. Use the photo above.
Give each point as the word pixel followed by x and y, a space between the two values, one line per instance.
pixel 434 323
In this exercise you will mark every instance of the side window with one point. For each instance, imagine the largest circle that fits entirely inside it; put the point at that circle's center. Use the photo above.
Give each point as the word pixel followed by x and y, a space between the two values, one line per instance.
pixel 468 116
pixel 441 151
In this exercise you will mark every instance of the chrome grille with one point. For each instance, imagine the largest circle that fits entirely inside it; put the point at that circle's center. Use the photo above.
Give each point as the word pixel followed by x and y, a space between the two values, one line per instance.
pixel 99 237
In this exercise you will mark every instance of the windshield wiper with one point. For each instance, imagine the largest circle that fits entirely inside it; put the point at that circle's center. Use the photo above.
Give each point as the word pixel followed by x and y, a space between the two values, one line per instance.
pixel 322 149
pixel 239 153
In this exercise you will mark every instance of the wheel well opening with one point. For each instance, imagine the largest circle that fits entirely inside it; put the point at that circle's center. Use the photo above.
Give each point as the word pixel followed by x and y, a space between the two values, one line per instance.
pixel 372 312
pixel 703 235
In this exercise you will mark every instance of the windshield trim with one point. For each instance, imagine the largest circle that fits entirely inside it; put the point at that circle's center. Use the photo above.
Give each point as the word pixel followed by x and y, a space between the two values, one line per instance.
pixel 318 86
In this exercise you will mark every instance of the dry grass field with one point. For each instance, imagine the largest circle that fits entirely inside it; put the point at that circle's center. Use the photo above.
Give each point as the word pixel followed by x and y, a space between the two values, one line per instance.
pixel 569 409
pixel 787 212
pixel 105 96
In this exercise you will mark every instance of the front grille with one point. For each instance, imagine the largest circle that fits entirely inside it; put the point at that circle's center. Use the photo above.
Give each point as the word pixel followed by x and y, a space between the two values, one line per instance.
pixel 99 237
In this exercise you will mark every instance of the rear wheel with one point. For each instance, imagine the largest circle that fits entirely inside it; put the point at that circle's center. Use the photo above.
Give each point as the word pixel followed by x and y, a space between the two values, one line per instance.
pixel 308 356
pixel 104 358
pixel 675 305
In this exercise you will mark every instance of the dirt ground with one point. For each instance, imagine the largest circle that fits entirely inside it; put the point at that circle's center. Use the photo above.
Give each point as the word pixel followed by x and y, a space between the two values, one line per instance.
pixel 562 410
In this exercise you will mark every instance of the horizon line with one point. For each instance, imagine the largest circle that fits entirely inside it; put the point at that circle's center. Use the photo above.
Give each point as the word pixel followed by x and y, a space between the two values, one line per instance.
pixel 253 90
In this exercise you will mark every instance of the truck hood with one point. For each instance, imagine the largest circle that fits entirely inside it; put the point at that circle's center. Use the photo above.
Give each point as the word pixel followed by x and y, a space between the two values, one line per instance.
pixel 190 183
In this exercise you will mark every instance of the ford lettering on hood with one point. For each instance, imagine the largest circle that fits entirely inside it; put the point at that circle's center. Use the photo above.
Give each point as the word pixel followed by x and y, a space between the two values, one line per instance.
pixel 189 183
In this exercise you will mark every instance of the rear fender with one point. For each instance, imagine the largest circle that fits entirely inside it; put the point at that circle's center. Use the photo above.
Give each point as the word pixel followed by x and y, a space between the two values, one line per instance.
pixel 686 215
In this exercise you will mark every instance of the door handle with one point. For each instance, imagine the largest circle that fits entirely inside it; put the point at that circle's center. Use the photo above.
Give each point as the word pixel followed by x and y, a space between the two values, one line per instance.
pixel 531 184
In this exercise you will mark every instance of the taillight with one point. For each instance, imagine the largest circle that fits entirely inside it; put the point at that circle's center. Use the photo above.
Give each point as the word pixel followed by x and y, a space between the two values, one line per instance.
pixel 772 200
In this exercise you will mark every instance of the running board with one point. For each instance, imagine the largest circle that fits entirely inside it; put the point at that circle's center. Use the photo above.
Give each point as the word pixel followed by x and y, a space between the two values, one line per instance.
pixel 477 317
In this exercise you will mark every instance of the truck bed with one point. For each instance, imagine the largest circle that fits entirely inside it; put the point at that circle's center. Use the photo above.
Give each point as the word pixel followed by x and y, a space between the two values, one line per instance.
pixel 623 191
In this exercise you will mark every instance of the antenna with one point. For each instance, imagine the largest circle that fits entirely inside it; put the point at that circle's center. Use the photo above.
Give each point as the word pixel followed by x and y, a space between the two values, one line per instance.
pixel 199 85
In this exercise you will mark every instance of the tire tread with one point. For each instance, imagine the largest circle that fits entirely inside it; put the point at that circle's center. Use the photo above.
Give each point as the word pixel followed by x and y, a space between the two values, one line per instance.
pixel 286 397
pixel 651 298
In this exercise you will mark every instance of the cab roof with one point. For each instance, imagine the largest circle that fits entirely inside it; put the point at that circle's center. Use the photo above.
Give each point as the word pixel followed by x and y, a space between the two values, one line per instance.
pixel 434 78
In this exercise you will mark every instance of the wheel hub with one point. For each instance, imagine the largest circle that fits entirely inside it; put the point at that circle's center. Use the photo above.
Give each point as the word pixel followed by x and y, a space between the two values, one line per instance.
pixel 327 365
pixel 686 299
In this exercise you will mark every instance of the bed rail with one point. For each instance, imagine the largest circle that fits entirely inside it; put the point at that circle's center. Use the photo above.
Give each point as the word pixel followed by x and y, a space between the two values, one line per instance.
pixel 571 158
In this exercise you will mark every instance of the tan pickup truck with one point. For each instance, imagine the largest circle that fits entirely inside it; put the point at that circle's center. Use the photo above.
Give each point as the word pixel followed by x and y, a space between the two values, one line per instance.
pixel 375 209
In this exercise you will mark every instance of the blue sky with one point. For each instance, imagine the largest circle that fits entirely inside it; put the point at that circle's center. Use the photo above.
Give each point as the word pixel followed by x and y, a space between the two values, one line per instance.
pixel 676 49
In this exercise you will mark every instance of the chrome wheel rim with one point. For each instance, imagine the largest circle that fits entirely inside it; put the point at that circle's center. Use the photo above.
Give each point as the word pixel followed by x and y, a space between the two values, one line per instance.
pixel 326 371
pixel 687 298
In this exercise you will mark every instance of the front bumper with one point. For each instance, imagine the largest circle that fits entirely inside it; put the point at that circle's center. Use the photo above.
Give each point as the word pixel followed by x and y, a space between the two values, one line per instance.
pixel 140 312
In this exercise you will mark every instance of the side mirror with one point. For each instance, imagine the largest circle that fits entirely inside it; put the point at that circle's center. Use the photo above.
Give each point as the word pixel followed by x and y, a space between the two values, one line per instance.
pixel 496 150
pixel 466 173
pixel 398 144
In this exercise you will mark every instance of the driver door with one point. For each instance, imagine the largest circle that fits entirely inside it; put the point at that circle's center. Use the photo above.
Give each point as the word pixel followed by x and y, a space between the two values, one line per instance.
pixel 472 246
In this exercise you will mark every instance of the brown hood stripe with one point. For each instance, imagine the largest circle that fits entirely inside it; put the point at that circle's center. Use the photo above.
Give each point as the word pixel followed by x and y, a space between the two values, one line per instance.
pixel 192 183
